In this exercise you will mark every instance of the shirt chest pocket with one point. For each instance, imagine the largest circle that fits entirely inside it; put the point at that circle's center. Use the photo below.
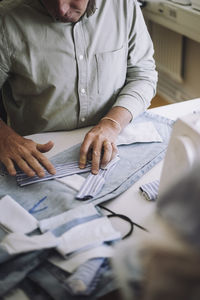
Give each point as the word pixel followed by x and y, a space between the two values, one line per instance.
pixel 111 70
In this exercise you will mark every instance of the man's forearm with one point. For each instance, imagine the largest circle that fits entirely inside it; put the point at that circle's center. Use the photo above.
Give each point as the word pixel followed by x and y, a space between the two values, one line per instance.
pixel 118 115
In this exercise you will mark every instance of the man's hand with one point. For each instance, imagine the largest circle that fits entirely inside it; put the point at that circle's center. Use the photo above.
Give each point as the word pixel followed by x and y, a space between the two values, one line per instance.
pixel 100 142
pixel 99 145
pixel 23 152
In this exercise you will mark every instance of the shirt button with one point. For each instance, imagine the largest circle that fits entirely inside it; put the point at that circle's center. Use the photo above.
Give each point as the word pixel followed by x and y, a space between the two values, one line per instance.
pixel 83 91
pixel 81 57
pixel 82 119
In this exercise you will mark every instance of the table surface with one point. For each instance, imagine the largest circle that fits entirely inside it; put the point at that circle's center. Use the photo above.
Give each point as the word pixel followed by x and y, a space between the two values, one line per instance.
pixel 131 202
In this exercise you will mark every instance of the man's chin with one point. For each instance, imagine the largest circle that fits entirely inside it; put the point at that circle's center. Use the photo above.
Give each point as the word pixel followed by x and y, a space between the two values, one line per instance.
pixel 69 19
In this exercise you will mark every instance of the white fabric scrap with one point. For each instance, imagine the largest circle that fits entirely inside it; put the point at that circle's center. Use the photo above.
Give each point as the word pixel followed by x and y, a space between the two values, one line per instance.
pixel 74 181
pixel 71 264
pixel 144 132
pixel 91 233
pixel 15 243
pixel 82 211
pixel 14 217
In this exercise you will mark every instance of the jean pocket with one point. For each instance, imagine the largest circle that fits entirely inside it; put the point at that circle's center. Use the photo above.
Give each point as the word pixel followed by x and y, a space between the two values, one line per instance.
pixel 111 70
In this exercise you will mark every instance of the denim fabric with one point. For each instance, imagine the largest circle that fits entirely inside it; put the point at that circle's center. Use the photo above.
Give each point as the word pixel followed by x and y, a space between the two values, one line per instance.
pixel 54 282
pixel 51 198
pixel 51 282
pixel 33 291
pixel 12 272
pixel 135 160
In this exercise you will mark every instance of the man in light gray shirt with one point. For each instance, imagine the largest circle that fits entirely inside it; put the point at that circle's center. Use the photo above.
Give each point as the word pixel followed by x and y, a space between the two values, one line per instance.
pixel 66 64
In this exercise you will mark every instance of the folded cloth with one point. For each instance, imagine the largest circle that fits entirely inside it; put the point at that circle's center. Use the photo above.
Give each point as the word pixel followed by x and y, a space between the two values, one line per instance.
pixel 79 212
pixel 15 243
pixel 73 181
pixel 80 257
pixel 14 218
pixel 83 282
pixel 94 183
pixel 138 133
pixel 133 133
pixel 62 170
pixel 150 190
pixel 87 234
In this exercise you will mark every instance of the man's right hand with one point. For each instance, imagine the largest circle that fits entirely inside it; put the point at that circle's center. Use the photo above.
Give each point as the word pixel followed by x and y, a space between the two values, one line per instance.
pixel 23 152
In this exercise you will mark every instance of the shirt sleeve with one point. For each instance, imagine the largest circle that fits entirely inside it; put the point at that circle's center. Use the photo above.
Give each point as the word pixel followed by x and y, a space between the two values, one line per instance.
pixel 4 54
pixel 141 77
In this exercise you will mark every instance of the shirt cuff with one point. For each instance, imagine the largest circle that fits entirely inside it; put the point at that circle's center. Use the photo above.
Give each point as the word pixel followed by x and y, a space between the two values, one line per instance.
pixel 133 105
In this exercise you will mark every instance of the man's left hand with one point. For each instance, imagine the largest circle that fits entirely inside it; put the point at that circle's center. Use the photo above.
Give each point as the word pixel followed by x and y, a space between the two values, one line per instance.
pixel 99 145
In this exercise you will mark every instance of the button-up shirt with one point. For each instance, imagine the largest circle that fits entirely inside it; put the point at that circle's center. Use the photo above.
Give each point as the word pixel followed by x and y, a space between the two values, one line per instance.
pixel 62 76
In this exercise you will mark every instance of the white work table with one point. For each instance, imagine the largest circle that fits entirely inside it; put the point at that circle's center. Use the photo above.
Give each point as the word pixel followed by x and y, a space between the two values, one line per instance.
pixel 131 202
